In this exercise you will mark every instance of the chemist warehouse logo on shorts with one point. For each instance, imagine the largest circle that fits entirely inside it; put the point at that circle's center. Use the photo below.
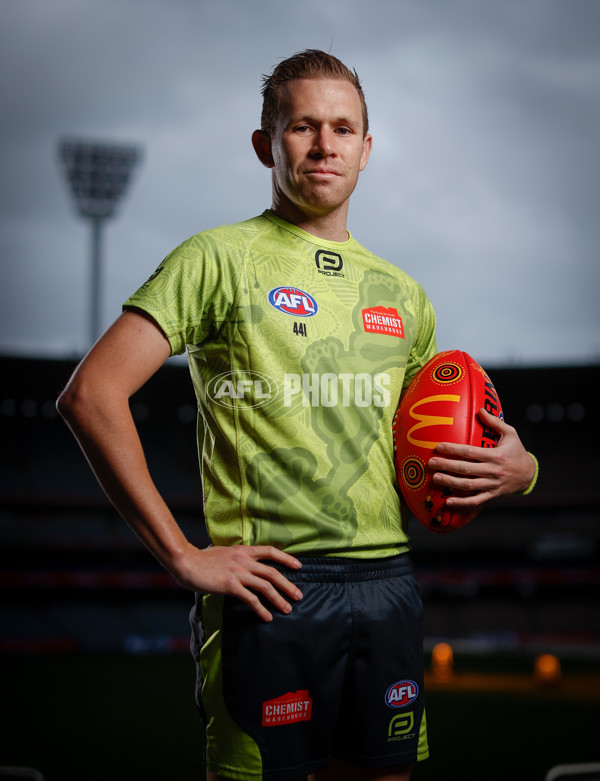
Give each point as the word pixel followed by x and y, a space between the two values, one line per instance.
pixel 290 708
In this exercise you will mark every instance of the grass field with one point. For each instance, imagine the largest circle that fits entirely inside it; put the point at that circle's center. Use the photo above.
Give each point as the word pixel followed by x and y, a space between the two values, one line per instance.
pixel 117 718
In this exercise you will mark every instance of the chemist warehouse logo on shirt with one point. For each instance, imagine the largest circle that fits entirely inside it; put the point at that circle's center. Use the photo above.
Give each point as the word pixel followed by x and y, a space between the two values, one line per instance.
pixel 383 320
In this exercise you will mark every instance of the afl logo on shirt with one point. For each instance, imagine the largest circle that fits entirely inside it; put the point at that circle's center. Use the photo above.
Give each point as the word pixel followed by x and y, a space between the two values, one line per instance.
pixel 292 301
pixel 401 694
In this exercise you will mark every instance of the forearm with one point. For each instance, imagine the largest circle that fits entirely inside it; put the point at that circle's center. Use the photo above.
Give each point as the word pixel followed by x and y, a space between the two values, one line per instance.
pixel 106 432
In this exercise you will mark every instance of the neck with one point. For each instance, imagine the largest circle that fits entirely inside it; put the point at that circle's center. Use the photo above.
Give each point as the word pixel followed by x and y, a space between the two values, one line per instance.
pixel 330 226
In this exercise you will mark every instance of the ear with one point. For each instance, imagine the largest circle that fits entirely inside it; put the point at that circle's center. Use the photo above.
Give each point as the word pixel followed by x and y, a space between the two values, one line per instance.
pixel 261 142
pixel 366 151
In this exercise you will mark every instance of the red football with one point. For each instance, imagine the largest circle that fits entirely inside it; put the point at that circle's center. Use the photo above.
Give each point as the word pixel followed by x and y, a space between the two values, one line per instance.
pixel 441 404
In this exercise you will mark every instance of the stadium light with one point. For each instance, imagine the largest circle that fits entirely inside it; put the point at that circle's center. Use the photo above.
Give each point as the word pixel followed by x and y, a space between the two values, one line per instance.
pixel 442 662
pixel 547 671
pixel 98 174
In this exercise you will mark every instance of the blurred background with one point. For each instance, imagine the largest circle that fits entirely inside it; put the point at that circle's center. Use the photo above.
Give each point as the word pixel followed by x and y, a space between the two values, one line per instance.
pixel 484 182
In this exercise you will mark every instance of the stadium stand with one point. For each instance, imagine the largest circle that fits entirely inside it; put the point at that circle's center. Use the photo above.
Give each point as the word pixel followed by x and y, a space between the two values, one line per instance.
pixel 74 578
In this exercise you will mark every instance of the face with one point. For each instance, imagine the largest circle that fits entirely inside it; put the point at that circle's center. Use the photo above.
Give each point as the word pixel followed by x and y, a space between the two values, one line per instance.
pixel 318 148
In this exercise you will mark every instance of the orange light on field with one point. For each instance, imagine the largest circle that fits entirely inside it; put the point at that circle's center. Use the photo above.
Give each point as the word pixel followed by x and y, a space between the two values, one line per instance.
pixel 547 670
pixel 442 662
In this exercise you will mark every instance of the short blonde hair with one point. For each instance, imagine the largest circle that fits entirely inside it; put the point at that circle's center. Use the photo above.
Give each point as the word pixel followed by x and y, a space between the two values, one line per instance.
pixel 309 64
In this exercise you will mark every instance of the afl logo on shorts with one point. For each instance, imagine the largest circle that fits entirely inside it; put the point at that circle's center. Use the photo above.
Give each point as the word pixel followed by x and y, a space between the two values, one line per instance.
pixel 401 694
pixel 292 301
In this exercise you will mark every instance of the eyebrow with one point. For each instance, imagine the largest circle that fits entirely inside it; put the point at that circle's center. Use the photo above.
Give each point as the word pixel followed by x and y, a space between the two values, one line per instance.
pixel 313 120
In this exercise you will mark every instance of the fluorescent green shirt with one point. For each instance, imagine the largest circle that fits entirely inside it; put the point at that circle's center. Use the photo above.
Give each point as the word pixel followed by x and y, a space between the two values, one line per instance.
pixel 299 349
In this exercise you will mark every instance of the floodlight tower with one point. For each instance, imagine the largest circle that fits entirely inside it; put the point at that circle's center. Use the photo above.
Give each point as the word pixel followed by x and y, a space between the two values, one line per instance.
pixel 98 174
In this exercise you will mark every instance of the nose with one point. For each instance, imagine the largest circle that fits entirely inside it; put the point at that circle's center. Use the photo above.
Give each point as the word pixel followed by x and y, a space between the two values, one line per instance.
pixel 324 143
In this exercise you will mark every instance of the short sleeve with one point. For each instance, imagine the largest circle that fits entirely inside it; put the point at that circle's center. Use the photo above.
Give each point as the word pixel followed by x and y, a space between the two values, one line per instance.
pixel 191 293
pixel 425 346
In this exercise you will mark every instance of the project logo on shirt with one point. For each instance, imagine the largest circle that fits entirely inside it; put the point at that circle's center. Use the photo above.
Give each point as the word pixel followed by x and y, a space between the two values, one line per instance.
pixel 293 301
pixel 329 263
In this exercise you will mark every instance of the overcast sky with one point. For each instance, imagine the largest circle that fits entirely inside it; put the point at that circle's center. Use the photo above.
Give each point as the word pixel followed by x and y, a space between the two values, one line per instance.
pixel 483 184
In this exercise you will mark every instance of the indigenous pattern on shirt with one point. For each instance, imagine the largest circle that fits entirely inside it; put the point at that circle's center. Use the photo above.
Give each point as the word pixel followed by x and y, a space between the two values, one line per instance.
pixel 299 349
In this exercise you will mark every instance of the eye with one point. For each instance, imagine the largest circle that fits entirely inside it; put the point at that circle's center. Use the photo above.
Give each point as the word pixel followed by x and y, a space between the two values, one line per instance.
pixel 343 131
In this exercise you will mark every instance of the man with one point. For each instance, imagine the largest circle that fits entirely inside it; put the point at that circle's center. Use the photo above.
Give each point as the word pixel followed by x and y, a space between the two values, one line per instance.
pixel 306 629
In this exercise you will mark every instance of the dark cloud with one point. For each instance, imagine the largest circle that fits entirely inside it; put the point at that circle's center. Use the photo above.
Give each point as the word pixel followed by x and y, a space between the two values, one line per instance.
pixel 483 184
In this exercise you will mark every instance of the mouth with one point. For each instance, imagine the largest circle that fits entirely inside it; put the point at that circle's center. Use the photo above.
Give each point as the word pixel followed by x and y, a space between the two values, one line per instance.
pixel 322 173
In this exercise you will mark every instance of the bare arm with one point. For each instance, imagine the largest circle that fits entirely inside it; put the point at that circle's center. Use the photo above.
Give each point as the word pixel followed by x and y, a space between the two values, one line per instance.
pixel 95 405
pixel 491 472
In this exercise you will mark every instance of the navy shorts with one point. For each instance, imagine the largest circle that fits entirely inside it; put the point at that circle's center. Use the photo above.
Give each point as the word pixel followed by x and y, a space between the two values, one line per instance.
pixel 341 675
